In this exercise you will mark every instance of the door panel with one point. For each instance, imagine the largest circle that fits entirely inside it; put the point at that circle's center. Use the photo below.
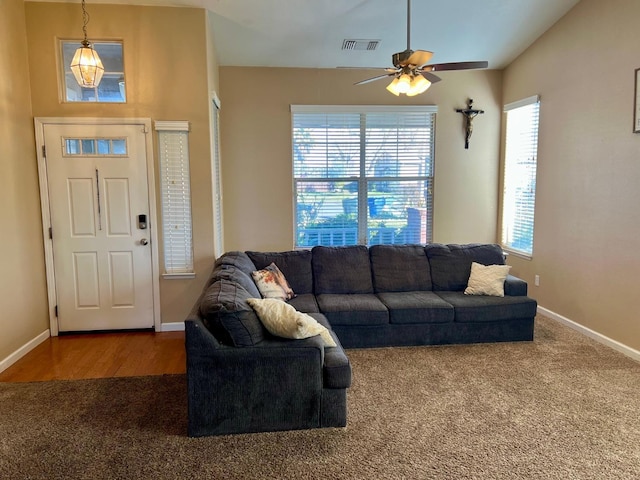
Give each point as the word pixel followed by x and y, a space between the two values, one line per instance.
pixel 103 269
pixel 117 209
pixel 122 279
pixel 87 284
pixel 81 207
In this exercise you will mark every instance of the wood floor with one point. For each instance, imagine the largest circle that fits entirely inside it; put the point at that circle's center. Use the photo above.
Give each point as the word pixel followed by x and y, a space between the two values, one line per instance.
pixel 100 355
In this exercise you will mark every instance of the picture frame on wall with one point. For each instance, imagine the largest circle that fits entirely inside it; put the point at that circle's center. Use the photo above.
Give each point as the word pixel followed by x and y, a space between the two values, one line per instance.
pixel 636 106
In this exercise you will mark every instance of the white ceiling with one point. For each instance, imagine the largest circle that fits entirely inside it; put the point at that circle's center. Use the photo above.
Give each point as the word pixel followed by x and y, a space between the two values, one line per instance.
pixel 310 33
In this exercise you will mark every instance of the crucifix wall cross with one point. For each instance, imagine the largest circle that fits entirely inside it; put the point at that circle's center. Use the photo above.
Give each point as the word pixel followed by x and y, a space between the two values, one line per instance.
pixel 469 114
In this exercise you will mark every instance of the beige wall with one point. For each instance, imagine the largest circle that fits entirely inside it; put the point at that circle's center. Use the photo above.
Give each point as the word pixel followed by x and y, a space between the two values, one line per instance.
pixel 23 294
pixel 257 162
pixel 166 68
pixel 587 224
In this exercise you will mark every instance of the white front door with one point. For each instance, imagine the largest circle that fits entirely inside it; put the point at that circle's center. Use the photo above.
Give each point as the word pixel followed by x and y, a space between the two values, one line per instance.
pixel 99 207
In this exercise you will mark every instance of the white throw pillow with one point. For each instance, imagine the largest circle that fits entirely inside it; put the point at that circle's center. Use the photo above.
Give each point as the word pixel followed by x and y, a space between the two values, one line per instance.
pixel 487 279
pixel 283 320
pixel 272 283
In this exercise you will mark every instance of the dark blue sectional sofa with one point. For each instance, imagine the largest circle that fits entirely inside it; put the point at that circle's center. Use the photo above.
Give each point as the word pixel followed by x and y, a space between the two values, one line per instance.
pixel 242 379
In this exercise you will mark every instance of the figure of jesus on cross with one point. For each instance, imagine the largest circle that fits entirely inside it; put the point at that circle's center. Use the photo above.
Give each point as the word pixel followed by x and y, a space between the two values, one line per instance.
pixel 469 114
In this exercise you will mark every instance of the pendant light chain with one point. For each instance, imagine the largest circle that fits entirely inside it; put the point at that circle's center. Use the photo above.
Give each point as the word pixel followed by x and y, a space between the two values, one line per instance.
pixel 86 65
pixel 85 20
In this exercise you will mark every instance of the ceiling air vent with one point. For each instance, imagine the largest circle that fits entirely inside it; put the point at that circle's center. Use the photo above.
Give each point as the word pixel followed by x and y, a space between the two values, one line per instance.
pixel 354 44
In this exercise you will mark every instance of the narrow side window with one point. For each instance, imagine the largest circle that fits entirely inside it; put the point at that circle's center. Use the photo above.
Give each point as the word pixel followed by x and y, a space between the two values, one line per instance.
pixel 520 166
pixel 175 194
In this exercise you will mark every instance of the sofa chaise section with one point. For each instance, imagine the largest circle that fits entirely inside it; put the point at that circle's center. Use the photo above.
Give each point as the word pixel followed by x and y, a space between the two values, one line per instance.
pixel 242 379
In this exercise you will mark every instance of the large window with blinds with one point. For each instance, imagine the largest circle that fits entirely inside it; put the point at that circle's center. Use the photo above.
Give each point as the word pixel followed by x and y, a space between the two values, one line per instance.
pixel 521 158
pixel 363 175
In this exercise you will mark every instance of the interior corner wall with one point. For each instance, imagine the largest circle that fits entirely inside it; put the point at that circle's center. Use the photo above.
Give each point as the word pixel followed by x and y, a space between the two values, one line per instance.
pixel 166 79
pixel 587 218
pixel 257 158
pixel 23 293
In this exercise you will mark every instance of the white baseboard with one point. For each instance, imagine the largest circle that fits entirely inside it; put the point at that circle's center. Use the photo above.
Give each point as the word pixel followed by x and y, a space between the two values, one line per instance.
pixel 172 327
pixel 22 351
pixel 609 342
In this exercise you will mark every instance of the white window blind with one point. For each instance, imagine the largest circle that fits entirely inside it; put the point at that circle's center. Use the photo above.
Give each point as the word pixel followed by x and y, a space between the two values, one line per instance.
pixel 175 194
pixel 363 175
pixel 521 158
pixel 218 234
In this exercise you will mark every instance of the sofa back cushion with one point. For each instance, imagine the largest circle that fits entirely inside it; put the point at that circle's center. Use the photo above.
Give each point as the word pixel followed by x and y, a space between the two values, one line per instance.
pixel 226 313
pixel 232 273
pixel 295 265
pixel 451 264
pixel 341 270
pixel 400 268
pixel 239 260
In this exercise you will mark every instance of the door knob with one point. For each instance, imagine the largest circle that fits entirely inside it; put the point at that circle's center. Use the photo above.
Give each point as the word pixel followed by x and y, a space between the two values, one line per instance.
pixel 144 241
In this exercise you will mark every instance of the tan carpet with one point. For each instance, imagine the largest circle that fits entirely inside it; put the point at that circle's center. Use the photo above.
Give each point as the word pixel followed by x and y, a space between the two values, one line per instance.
pixel 561 407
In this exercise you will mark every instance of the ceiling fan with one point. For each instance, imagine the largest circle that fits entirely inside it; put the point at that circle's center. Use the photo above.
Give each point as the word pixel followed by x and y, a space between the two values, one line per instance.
pixel 412 75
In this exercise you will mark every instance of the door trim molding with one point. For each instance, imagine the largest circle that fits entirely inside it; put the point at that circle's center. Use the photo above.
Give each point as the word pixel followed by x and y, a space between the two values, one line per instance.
pixel 145 124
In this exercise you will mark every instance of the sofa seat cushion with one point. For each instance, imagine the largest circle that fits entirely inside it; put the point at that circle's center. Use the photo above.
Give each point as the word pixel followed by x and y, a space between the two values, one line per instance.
pixel 451 264
pixel 416 307
pixel 305 303
pixel 400 268
pixel 295 265
pixel 341 270
pixel 336 369
pixel 353 309
pixel 480 308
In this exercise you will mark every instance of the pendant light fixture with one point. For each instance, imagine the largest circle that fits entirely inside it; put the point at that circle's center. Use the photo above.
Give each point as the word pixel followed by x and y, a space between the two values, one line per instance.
pixel 86 64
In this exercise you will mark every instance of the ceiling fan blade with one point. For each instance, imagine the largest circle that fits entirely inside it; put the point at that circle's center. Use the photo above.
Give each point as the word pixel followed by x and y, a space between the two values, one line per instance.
pixel 419 57
pixel 439 67
pixel 431 77
pixel 373 79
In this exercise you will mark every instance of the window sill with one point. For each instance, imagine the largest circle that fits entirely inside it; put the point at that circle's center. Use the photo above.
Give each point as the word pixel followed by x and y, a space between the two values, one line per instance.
pixel 178 276
pixel 508 252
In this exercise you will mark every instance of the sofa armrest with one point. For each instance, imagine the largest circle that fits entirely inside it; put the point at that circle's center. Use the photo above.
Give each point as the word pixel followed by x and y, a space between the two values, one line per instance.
pixel 275 385
pixel 515 286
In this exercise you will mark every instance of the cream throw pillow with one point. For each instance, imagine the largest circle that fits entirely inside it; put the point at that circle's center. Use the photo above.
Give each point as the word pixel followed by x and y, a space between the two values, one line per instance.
pixel 487 279
pixel 283 320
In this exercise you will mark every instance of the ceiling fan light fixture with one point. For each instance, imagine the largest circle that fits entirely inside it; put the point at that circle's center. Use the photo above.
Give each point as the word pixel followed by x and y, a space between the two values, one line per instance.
pixel 393 87
pixel 404 83
pixel 419 85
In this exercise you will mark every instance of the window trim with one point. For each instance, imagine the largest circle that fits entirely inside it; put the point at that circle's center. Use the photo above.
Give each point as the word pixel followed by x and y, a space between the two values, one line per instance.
pixel 188 268
pixel 64 69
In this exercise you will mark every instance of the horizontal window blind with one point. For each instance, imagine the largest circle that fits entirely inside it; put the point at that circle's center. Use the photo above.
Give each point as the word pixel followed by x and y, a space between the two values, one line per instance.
pixel 521 157
pixel 175 191
pixel 218 225
pixel 363 175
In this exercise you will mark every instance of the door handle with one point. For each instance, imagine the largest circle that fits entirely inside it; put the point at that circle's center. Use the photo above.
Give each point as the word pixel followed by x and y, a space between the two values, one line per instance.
pixel 144 241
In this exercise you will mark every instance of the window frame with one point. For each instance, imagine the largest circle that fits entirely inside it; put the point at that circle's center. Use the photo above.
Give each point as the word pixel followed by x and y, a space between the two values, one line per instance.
pixel 175 134
pixel 525 139
pixel 364 181
pixel 64 71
